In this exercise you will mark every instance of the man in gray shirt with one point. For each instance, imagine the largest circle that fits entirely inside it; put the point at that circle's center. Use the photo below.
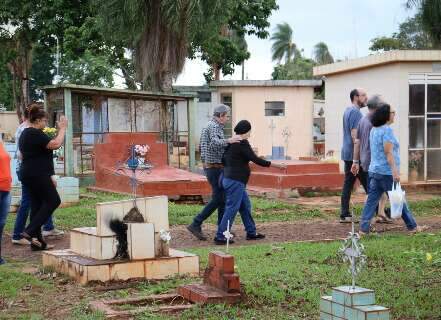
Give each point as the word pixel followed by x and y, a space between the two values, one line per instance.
pixel 212 148
pixel 362 150
pixel 351 118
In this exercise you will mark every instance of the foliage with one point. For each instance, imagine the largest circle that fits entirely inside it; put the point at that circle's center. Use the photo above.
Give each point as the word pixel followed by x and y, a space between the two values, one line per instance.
pixel 161 34
pixel 411 35
pixel 283 46
pixel 298 69
pixel 385 44
pixel 322 54
pixel 29 31
pixel 6 98
pixel 225 49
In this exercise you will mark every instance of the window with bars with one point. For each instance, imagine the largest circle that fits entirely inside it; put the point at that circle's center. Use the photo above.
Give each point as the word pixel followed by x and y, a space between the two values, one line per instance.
pixel 274 108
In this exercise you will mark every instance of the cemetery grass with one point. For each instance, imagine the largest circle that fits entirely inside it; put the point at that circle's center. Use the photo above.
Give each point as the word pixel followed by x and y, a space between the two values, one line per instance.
pixel 280 281
pixel 83 213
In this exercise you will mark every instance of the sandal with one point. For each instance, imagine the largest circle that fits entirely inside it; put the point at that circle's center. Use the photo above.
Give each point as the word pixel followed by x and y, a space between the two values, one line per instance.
pixel 39 245
pixel 383 219
pixel 418 229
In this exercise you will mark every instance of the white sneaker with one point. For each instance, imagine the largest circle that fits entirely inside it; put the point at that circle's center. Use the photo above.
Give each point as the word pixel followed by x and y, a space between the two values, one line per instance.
pixel 22 242
pixel 52 233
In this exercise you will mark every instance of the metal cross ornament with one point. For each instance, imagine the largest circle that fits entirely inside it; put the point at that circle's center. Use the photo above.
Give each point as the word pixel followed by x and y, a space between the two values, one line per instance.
pixel 137 172
pixel 352 251
pixel 228 235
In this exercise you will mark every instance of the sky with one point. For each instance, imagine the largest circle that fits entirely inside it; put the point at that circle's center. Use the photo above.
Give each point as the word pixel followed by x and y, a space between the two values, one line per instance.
pixel 346 26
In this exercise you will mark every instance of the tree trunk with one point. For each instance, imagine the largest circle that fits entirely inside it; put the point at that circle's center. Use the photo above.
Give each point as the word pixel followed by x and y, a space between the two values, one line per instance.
pixel 243 70
pixel 165 84
pixel 216 72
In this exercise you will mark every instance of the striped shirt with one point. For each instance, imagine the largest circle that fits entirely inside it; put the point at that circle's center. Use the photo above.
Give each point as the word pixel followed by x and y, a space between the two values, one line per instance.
pixel 213 142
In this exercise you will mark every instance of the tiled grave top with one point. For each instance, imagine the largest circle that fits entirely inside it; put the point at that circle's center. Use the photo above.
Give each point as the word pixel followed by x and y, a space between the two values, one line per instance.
pixel 351 290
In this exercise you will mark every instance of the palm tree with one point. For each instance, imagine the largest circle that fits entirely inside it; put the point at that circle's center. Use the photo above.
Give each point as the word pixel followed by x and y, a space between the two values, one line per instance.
pixel 430 11
pixel 322 54
pixel 240 41
pixel 158 32
pixel 283 45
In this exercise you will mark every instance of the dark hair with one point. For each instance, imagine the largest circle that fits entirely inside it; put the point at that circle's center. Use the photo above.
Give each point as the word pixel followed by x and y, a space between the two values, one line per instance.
pixel 353 94
pixel 29 107
pixel 381 116
pixel 36 112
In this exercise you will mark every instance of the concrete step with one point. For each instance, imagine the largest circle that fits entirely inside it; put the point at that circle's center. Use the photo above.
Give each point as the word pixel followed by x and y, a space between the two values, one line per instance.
pixel 84 269
pixel 292 181
pixel 300 167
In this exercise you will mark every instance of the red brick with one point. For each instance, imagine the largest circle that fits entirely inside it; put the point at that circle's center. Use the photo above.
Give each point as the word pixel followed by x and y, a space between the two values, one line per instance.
pixel 223 261
pixel 214 278
pixel 185 292
pixel 211 259
pixel 232 282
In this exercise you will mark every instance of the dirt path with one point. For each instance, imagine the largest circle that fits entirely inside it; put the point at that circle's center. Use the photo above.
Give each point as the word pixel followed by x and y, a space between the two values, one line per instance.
pixel 333 202
pixel 314 230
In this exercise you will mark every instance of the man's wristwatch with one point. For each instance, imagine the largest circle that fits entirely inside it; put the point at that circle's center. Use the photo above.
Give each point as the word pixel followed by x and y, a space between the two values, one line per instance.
pixel 355 161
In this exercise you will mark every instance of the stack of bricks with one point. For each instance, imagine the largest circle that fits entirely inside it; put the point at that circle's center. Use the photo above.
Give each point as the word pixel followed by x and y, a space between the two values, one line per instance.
pixel 221 284
pixel 347 303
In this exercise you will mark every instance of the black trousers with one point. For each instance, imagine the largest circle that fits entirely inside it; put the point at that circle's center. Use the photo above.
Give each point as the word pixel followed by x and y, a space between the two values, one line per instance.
pixel 348 185
pixel 44 200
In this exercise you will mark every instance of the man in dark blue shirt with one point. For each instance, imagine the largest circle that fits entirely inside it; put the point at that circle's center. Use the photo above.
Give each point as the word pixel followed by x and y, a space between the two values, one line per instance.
pixel 351 118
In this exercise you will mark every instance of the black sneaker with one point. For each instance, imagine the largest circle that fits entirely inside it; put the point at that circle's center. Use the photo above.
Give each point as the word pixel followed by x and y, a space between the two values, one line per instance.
pixel 220 242
pixel 197 232
pixel 257 236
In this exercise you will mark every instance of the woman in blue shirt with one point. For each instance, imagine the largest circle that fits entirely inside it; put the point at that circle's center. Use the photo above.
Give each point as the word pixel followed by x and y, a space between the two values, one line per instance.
pixel 384 168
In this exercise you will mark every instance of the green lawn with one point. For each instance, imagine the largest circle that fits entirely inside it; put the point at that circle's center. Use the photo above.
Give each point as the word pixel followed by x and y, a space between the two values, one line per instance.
pixel 285 281
pixel 83 213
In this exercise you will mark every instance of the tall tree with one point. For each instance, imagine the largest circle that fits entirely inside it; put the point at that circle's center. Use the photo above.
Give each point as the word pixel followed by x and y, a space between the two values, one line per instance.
pixel 411 35
pixel 283 46
pixel 322 54
pixel 158 33
pixel 430 11
pixel 162 33
pixel 28 33
pixel 225 49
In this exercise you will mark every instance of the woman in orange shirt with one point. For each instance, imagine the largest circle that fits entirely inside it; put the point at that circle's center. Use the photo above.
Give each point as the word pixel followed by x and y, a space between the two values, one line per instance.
pixel 5 188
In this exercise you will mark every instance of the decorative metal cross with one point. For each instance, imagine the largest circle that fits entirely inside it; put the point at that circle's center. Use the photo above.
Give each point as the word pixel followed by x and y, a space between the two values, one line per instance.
pixel 132 164
pixel 352 251
pixel 228 235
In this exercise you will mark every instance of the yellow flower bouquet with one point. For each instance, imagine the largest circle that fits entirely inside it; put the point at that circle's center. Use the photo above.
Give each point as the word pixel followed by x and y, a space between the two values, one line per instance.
pixel 50 132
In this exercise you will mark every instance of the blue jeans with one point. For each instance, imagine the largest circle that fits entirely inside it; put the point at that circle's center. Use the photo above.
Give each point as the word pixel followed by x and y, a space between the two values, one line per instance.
pixel 378 185
pixel 217 198
pixel 236 200
pixel 5 202
pixel 23 213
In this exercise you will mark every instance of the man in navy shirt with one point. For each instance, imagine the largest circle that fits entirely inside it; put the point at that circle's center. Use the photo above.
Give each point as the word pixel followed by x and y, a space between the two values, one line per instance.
pixel 351 118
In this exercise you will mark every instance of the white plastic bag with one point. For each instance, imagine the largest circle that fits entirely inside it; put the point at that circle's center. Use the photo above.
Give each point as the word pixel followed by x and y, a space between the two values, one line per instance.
pixel 397 199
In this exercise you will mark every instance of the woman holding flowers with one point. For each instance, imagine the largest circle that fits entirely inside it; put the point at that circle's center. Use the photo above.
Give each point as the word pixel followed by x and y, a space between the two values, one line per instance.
pixel 37 171
pixel 25 202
